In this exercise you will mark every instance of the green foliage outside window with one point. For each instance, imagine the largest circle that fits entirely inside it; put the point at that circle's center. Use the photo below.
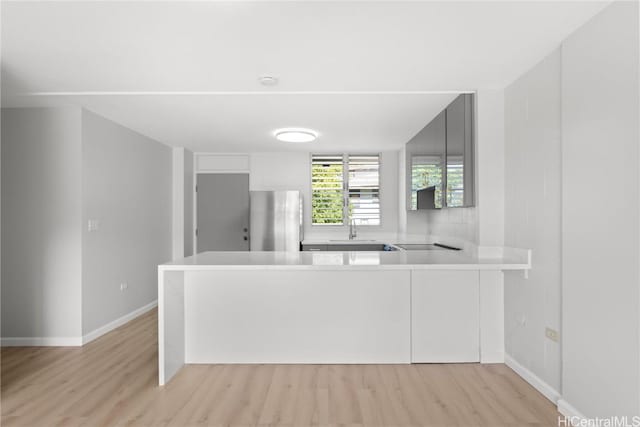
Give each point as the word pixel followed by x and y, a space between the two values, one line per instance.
pixel 327 198
pixel 425 175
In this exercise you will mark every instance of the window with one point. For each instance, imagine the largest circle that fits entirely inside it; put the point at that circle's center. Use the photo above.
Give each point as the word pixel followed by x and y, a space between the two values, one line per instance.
pixel 363 189
pixel 327 185
pixel 345 187
pixel 455 181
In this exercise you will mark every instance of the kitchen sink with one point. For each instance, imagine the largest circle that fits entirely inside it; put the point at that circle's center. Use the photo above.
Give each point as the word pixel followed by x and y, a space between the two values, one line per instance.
pixel 426 247
pixel 353 241
pixel 361 247
pixel 373 246
pixel 350 245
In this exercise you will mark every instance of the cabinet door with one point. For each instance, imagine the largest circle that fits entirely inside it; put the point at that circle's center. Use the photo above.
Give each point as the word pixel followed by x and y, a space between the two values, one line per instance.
pixel 426 163
pixel 445 324
pixel 459 168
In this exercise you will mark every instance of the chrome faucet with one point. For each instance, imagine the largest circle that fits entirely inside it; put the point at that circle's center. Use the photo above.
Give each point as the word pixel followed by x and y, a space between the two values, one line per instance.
pixel 353 233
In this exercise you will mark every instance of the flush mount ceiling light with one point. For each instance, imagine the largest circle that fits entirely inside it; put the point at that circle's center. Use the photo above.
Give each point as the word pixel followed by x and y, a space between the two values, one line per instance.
pixel 296 135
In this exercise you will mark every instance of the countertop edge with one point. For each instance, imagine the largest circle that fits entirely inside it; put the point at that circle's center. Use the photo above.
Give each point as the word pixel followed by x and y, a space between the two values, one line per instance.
pixel 480 267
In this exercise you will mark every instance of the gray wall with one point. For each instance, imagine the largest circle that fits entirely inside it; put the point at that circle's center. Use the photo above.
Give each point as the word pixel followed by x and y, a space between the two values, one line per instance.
pixel 127 187
pixel 533 209
pixel 41 223
pixel 601 214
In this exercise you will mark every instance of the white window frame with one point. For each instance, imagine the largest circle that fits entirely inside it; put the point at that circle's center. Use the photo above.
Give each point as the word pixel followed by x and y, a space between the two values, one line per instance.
pixel 345 191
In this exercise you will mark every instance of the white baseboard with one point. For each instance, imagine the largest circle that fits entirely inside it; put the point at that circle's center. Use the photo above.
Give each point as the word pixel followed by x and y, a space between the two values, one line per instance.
pixel 41 341
pixel 492 357
pixel 75 341
pixel 96 333
pixel 537 383
pixel 570 412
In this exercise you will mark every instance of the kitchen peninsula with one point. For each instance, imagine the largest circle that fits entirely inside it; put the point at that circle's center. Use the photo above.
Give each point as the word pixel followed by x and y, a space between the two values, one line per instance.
pixel 332 307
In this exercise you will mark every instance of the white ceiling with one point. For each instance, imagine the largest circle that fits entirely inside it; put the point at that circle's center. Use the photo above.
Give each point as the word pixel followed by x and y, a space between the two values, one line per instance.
pixel 185 73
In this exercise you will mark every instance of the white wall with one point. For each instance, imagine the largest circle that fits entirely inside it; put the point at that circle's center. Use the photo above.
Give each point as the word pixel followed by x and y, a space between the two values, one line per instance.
pixel 402 191
pixel 41 224
pixel 600 214
pixel 283 171
pixel 182 202
pixel 490 167
pixel 449 225
pixel 292 171
pixel 533 208
pixel 188 202
pixel 127 187
pixel 389 191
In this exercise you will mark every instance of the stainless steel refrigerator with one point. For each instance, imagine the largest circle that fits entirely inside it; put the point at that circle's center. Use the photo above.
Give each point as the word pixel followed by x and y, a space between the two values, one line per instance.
pixel 275 220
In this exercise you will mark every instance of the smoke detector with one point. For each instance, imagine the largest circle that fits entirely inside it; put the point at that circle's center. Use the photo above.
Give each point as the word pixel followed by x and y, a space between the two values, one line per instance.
pixel 268 80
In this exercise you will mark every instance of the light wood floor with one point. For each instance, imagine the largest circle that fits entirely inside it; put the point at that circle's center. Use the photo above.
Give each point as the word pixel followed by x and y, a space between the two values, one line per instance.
pixel 113 381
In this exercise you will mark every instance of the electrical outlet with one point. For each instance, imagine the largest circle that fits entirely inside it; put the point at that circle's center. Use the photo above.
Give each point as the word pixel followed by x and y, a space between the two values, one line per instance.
pixel 124 286
pixel 552 334
pixel 93 225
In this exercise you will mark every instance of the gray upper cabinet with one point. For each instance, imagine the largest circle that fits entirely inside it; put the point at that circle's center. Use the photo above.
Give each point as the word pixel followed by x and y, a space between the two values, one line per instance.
pixel 440 160
pixel 425 164
pixel 460 159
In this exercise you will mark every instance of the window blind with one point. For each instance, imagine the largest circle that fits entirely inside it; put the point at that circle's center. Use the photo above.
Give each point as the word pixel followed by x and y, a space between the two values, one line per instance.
pixel 327 184
pixel 455 181
pixel 363 189
pixel 345 181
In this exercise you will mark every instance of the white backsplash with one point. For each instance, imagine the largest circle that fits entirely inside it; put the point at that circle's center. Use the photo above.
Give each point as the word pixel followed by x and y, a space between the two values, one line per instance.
pixel 454 225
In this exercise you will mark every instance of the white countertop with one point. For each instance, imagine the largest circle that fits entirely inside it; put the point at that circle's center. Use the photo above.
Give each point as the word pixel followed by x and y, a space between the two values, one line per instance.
pixel 387 238
pixel 510 259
